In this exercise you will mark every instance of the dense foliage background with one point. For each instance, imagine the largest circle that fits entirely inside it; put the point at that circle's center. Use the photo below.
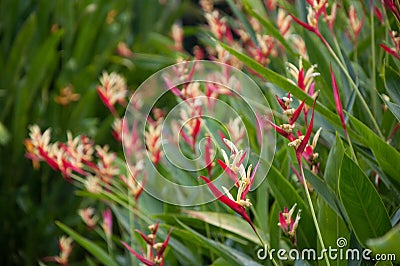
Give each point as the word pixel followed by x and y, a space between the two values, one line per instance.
pixel 53 54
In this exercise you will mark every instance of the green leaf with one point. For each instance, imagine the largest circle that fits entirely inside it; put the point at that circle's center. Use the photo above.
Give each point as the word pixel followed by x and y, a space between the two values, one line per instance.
pixel 333 164
pixel 274 229
pixel 220 262
pixel 323 190
pixel 227 222
pixel 387 244
pixel 364 207
pixel 332 227
pixel 90 246
pixel 392 83
pixel 394 108
pixel 4 135
pixel 380 149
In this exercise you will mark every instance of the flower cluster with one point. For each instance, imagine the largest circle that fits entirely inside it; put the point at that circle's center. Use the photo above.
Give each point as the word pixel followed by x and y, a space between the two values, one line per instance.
pixel 234 168
pixel 301 142
pixel 288 224
pixel 395 50
pixel 112 90
pixel 155 250
pixel 65 245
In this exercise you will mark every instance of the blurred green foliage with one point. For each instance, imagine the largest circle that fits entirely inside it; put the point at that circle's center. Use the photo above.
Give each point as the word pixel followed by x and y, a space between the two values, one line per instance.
pixel 47 46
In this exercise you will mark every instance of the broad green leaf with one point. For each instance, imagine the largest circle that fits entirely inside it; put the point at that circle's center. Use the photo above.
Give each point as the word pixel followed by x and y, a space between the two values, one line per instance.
pixel 387 244
pixel 227 222
pixel 287 196
pixel 262 206
pixel 274 229
pixel 89 245
pixel 323 190
pixel 332 228
pixel 394 108
pixel 364 207
pixel 333 163
pixel 380 149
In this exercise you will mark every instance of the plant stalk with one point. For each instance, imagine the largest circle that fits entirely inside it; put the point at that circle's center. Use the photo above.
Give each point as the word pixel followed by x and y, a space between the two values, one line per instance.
pixel 321 241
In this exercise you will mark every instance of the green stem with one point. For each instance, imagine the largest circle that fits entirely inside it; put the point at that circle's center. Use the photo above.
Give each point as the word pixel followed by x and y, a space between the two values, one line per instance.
pixel 321 241
pixel 373 88
pixel 131 225
pixel 353 154
pixel 266 247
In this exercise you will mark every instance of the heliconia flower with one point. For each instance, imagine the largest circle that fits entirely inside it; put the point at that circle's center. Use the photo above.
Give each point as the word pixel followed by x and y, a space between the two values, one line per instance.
pixel 338 102
pixel 92 184
pixel 315 9
pixel 153 140
pixel 288 224
pixel 393 5
pixel 134 185
pixel 394 51
pixel 198 53
pixel 236 130
pixel 65 245
pixel 237 157
pixel 355 23
pixel 207 5
pixel 123 50
pixel 155 251
pixel 67 96
pixel 378 14
pixel 132 141
pixel 105 168
pixel 177 36
pixel 208 153
pixel 330 19
pixel 218 26
pixel 64 157
pixel 88 217
pixel 304 139
pixel 230 202
pixel 309 153
pixel 107 222
pixel 266 47
pixel 283 22
pixel 117 129
pixel 191 121
pixel 37 142
pixel 299 45
pixel 113 89
pixel 270 4
pixel 390 51
pixel 302 78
